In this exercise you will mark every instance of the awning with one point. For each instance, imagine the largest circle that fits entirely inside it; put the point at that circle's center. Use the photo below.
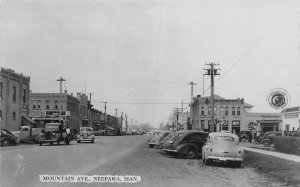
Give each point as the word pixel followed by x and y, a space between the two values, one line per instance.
pixel 28 119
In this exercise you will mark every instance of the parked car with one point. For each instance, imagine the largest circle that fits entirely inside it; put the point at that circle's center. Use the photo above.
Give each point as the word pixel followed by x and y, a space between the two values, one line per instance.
pixel 27 133
pixel 245 136
pixel 54 133
pixel 223 147
pixel 86 134
pixel 112 132
pixel 8 138
pixel 268 138
pixel 187 143
pixel 154 135
pixel 155 140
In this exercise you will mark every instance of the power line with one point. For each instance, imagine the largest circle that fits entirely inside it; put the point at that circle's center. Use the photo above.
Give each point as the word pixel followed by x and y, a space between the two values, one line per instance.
pixel 143 103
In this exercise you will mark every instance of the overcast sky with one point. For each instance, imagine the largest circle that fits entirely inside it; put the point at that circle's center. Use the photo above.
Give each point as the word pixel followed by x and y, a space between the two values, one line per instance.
pixel 146 51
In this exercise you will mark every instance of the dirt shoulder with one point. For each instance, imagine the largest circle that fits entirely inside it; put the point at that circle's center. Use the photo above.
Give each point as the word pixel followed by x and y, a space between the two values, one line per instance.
pixel 282 170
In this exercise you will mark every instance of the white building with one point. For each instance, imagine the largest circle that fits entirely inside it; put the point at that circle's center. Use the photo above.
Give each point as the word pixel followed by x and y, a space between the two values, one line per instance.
pixel 291 119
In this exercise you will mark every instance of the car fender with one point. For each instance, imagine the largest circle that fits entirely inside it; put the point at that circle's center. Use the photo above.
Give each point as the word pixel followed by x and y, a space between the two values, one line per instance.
pixel 183 148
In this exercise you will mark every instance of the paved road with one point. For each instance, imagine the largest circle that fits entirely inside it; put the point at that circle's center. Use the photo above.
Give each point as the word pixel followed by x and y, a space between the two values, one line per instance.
pixel 124 155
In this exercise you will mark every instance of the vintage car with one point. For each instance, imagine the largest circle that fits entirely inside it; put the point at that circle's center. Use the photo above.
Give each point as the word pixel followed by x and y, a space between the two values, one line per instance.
pixel 86 134
pixel 187 144
pixel 223 147
pixel 8 138
pixel 245 136
pixel 268 138
pixel 155 140
pixel 54 133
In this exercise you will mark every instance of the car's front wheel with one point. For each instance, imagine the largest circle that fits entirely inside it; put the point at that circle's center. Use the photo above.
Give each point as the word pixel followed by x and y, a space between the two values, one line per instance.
pixel 267 143
pixel 5 142
pixel 191 153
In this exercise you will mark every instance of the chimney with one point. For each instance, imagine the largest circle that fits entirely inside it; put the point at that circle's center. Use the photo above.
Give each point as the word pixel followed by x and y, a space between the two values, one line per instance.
pixel 66 91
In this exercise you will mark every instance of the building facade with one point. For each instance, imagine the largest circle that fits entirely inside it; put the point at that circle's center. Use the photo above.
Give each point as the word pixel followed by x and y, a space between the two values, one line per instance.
pixel 14 99
pixel 291 119
pixel 55 107
pixel 233 115
pixel 83 109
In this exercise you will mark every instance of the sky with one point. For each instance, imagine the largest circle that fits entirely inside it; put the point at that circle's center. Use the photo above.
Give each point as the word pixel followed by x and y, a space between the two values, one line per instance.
pixel 133 53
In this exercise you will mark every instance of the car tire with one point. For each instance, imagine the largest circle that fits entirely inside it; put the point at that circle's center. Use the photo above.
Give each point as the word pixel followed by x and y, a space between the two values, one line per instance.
pixel 191 153
pixel 151 146
pixel 244 139
pixel 267 143
pixel 78 141
pixel 93 141
pixel 5 142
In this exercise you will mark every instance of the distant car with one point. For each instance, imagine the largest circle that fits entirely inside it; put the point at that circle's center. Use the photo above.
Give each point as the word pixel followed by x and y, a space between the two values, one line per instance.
pixel 155 140
pixel 223 147
pixel 153 136
pixel 112 132
pixel 187 143
pixel 245 136
pixel 268 138
pixel 8 138
pixel 86 134
pixel 139 133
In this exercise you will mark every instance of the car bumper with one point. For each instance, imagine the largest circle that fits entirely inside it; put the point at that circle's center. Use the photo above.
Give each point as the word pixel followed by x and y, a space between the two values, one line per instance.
pixel 225 159
pixel 85 139
pixel 170 150
pixel 153 143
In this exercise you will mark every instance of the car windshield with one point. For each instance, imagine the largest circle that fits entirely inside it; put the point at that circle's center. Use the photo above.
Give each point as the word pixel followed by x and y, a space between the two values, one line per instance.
pixel 224 138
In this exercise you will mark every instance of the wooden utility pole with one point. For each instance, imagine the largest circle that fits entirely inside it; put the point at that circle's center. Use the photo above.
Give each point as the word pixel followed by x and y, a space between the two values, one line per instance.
pixel 212 72
pixel 90 110
pixel 105 114
pixel 191 105
pixel 61 80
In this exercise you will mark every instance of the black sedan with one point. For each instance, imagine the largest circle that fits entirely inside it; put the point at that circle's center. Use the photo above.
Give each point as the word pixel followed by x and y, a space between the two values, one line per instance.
pixel 187 143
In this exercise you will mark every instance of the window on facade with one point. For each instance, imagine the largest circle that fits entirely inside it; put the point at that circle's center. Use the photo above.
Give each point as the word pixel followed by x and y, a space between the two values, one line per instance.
pixel 202 110
pixel 14 115
pixel 24 96
pixel 39 104
pixel 233 111
pixel 61 107
pixel 221 111
pixel 47 104
pixel 202 124
pixel 1 90
pixel 238 112
pixel 226 111
pixel 14 94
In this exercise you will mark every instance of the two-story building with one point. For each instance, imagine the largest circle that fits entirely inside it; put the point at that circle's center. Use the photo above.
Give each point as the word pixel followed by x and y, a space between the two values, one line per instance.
pixel 55 107
pixel 233 115
pixel 14 99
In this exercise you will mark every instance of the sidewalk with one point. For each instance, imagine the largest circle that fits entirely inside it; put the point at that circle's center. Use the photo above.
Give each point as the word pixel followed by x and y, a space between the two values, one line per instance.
pixel 268 151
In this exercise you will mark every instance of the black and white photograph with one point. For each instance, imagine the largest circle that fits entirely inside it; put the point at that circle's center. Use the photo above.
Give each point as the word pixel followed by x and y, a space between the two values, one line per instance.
pixel 150 93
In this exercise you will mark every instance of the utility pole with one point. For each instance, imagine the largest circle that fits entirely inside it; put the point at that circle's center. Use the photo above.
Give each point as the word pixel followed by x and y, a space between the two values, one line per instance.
pixel 181 113
pixel 121 120
pixel 60 91
pixel 89 110
pixel 177 116
pixel 212 72
pixel 105 114
pixel 61 80
pixel 191 105
pixel 126 122
pixel 116 112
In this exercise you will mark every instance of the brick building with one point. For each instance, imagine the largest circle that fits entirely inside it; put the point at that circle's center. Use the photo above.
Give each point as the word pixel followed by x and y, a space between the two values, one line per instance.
pixel 54 107
pixel 233 115
pixel 14 99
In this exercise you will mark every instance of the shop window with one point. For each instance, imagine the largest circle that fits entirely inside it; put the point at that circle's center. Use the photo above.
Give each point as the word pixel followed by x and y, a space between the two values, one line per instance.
pixel 236 127
pixel 202 124
pixel 14 94
pixel 233 111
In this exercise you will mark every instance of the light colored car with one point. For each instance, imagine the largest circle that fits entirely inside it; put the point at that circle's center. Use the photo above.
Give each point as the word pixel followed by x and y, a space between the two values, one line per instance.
pixel 223 147
pixel 86 134
pixel 156 138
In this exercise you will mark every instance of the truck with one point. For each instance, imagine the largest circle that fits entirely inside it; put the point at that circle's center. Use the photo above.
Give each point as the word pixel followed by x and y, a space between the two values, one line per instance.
pixel 54 133
pixel 27 133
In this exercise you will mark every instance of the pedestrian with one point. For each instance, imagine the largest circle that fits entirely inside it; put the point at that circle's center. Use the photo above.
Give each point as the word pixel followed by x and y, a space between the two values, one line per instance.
pixel 250 137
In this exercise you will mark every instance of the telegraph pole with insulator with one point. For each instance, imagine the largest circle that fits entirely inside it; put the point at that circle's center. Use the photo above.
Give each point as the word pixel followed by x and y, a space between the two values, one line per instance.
pixel 212 72
pixel 192 92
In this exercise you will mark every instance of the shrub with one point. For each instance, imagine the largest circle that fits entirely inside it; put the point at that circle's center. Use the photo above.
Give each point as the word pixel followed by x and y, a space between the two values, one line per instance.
pixel 287 144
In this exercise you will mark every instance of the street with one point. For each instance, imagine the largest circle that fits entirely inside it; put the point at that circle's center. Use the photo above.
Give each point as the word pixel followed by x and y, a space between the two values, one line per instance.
pixel 116 155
